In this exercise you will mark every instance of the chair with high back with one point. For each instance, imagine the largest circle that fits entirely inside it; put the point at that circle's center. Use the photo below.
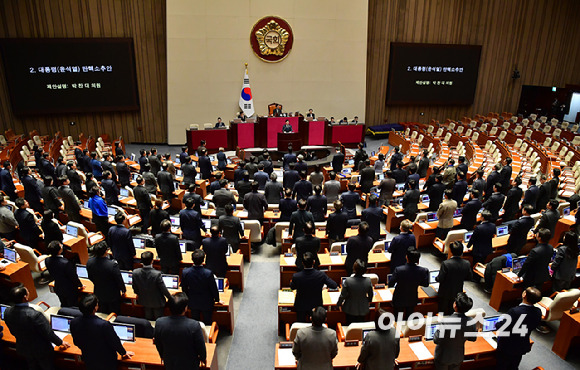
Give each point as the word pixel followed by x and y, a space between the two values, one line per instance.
pixel 451 125
pixel 547 142
pixel 255 228
pixel 447 137
pixel 475 136
pixel 536 125
pixel 502 135
pixel 336 247
pixel 33 257
pixel 208 126
pixel 453 235
pixel 460 130
pixel 518 144
pixel 554 306
pixel 354 331
pixel 557 132
pixel 374 278
pixel 194 126
pixel 439 132
pixel 565 125
pixel 506 125
pixel 493 131
pixel 525 122
pixel 291 331
pixel 420 139
pixel 543 119
pixel 468 132
pixel 528 134
pixel 547 129
pixel 518 129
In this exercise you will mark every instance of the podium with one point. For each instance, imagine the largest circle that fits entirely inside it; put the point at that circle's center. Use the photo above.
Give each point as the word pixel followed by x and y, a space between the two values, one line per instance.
pixel 284 139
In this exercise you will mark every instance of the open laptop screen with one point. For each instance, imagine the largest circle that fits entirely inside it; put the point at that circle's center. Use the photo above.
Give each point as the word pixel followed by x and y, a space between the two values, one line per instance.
pixel 72 231
pixel 82 271
pixel 60 323
pixel 220 284
pixel 433 276
pixel 502 230
pixel 490 323
pixel 430 331
pixel 139 243
pixel 171 281
pixel 127 277
pixel 10 254
pixel 125 332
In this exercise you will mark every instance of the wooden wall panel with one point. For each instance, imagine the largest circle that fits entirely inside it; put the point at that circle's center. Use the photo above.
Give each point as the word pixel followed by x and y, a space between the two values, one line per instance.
pixel 143 20
pixel 539 36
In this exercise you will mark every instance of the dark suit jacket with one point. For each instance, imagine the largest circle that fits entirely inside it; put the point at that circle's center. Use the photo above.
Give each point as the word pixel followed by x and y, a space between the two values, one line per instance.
pixel 199 285
pixel 51 231
pixel 256 204
pixel 506 176
pixel 519 234
pixel 494 203
pixel 120 240
pixel 398 249
pixel 111 191
pixel 179 341
pixel 308 284
pixel 450 348
pixel 215 255
pixel 123 173
pixel 452 274
pixel 66 281
pixel 108 166
pixel 336 225
pixel 512 202
pixel 380 349
pixel 31 189
pixel 71 203
pixel 287 207
pixel 290 178
pixel 350 199
pixel 231 229
pixel 191 224
pixel 318 204
pixel 243 187
pixel 155 164
pixel 481 240
pixel 273 192
pixel 165 181
pixel 189 173
pixel 297 222
pixel 387 188
pixel 7 183
pixel 149 287
pixel 535 270
pixel 400 175
pixel 410 204
pixel 221 198
pixel 531 196
pixel 222 161
pixel 408 279
pixel 493 178
pixel 106 276
pixel 367 177
pixel 205 167
pixel 549 220
pixel 357 247
pixel 395 158
pixel 435 193
pixel 554 182
pixel 356 295
pixel 157 215
pixel 423 167
pixel 514 342
pixel 302 190
pixel 373 215
pixel 142 162
pixel 337 162
pixel 32 331
pixel 150 182
pixel 463 168
pixel 307 243
pixel 287 159
pixel 98 342
pixel 168 252
pixel 26 224
pixel 142 197
pixel 459 190
pixel 50 195
pixel 469 214
pixel 543 196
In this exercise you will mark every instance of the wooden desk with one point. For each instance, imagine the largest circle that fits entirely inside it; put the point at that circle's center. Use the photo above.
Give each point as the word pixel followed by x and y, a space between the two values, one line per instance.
pixel 504 289
pixel 568 332
pixel 19 272
pixel 78 246
pixel 395 216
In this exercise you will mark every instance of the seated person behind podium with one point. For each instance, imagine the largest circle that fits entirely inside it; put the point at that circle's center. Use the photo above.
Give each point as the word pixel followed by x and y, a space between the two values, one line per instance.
pixel 308 284
pixel 34 337
pixel 356 294
pixel 107 279
pixel 408 278
pixel 199 284
pixel 481 242
pixel 66 281
pixel 380 347
pixel 358 247
pixel 219 123
pixel 451 335
pixel 149 287
pixel 96 337
pixel 179 339
pixel 452 274
pixel 307 243
pixel 287 128
pixel 315 346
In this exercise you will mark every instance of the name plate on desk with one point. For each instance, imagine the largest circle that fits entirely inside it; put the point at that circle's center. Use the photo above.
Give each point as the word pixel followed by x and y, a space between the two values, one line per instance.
pixel 285 344
pixel 379 286
pixel 351 343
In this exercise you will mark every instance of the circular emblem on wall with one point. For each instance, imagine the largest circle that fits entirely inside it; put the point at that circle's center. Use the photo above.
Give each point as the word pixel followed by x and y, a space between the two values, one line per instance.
pixel 271 39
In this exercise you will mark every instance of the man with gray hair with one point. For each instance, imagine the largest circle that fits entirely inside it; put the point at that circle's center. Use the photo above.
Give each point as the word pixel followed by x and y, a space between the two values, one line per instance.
pixel 315 346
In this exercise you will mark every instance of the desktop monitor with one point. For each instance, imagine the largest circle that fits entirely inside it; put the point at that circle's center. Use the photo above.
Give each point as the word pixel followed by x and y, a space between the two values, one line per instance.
pixel 171 281
pixel 430 331
pixel 517 264
pixel 111 211
pixel 501 230
pixel 490 323
pixel 124 192
pixel 10 254
pixel 72 231
pixel 3 308
pixel 139 243
pixel 220 284
pixel 82 272
pixel 433 276
pixel 125 332
pixel 127 277
pixel 174 220
pixel 431 216
pixel 467 236
pixel 60 323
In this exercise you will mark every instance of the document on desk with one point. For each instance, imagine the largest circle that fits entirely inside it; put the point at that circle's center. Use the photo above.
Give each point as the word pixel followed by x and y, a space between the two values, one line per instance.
pixel 388 255
pixel 420 350
pixel 290 260
pixel 386 295
pixel 570 218
pixel 242 214
pixel 285 357
pixel 336 260
pixel 334 296
pixel 286 297
pixel 66 238
pixel 512 275
pixel 212 212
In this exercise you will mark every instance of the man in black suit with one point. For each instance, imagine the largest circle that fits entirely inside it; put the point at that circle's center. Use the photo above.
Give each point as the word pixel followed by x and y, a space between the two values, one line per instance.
pixel 28 228
pixel 303 188
pixel 219 123
pixel 199 284
pixel 243 187
pixel 108 166
pixel 452 274
pixel 231 228
pixel 535 271
pixel 110 188
pixel 189 172
pixel 287 128
pixel 317 204
pixel 462 166
pixel 96 337
pixel 31 190
pixel 75 179
pixel 513 345
pixel 71 203
pixel 506 175
pixel 479 183
pixel 459 189
pixel 121 242
pixel 191 223
pixel 531 195
pixel 408 279
pixel 307 243
pixel 400 244
pixel 106 277
pixel 492 179
pixel 290 177
pixel 255 203
pixel 204 164
pixel 543 193
pixel 50 196
pixel 299 219
pixel 554 183
pixel 337 160
pixel 481 242
pixel 519 230
pixel 395 159
pixel 435 193
pixel 512 200
pixel 470 211
pixel 216 248
pixel 411 202
pixel 46 168
pixel 142 160
pixel 63 271
pixel 223 197
pixel 400 174
pixel 155 162
pixel 123 171
pixel 150 288
pixel 168 251
pixel 165 181
pixel 6 181
pixel 34 337
pixel 495 202
pixel 452 333
pixel 358 247
pixel 350 199
pixel 157 215
pixel 373 216
pixel 367 177
pixel 308 284
pixel 215 185
pixel 179 339
pixel 288 158
pixel 336 224
pixel 277 112
pixel 550 217
pixel 143 200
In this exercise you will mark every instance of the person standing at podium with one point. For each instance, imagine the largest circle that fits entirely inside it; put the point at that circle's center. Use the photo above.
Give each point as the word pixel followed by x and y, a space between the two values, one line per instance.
pixel 287 128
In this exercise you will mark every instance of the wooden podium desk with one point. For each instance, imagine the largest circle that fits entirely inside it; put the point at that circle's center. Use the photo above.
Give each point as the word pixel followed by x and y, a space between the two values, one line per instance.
pixel 395 215
pixel 425 232
pixel 289 138
pixel 78 246
pixel 19 272
pixel 504 289
pixel 146 355
pixel 568 333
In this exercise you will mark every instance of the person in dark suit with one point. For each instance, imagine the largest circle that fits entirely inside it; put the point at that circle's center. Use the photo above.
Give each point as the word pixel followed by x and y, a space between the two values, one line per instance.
pixel 336 224
pixel 288 158
pixel 142 160
pixel 337 160
pixel 373 216
pixel 408 279
pixel 470 210
pixel 543 194
pixel 143 200
pixel 197 199
pixel 308 284
pixel 149 287
pixel 459 189
pixel 255 203
pixel 290 177
pixel 506 175
pixel 191 224
pixel 223 197
pixel 261 177
pixel 50 196
pixel 231 228
pixel 71 203
pixel 28 228
pixel 452 274
pixel 168 251
pixel 239 171
pixel 380 347
pixel 165 181
pixel 549 217
pixel 451 335
pixel 531 195
pixel 423 165
pixel 462 166
pixel 46 168
pixel 287 206
pixel 243 187
pixel 31 190
pixel 32 332
pixel 106 277
pixel 303 188
pixel 367 177
pixel 86 161
pixel 50 229
pixel 222 159
pixel 121 242
pixel 435 193
pixel 493 266
pixel 519 230
pixel 119 148
pixel 307 243
pixel 356 294
pixel 512 201
pixel 411 201
pixel 317 204
pixel 123 171
pixel 512 346
pixel 154 161
pixel 412 175
pixel 350 199
pixel 204 165
pixel 386 188
pixel 287 128
pixel 554 183
pixel 6 181
pixel 96 337
pixel 535 271
pixel 358 247
pixel 481 242
pixel 479 183
pixel 179 339
pixel 400 244
pixel 494 202
pixel 277 112
pixel 156 217
pixel 400 174
pixel 75 179
pixel 150 180
pixel 184 154
pixel 273 190
pixel 108 166
pixel 63 271
pixel 216 248
pixel 189 172
pixel 315 346
pixel 395 159
pixel 110 188
pixel 492 179
pixel 199 284
pixel 215 185
pixel 299 219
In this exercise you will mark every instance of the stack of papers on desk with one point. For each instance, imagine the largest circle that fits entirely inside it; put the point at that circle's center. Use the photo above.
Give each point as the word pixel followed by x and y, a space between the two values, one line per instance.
pixel 243 214
pixel 334 297
pixel 570 218
pixel 420 350
pixel 512 275
pixel 286 297
pixel 66 238
pixel 388 255
pixel 385 294
pixel 285 357
pixel 336 259
pixel 290 260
